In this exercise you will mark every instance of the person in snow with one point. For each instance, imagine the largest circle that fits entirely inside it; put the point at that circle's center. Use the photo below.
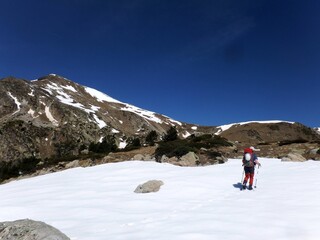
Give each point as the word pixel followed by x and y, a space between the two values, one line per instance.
pixel 250 160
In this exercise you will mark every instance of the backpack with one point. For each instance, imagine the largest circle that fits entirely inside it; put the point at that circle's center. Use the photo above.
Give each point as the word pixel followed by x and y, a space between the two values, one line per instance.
pixel 248 157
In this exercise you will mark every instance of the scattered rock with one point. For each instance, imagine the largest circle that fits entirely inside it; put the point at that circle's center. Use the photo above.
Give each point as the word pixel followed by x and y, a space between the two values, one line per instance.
pixel 314 151
pixel 85 152
pixel 85 163
pixel 173 160
pixel 138 157
pixel 293 157
pixel 148 187
pixel 72 164
pixel 148 157
pixel 222 159
pixel 142 157
pixel 190 159
pixel 164 159
pixel 27 229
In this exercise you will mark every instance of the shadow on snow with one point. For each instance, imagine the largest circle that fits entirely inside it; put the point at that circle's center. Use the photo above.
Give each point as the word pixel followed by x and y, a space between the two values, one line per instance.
pixel 237 185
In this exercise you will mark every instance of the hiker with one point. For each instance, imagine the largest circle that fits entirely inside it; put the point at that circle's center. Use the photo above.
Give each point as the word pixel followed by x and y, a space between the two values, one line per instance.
pixel 249 161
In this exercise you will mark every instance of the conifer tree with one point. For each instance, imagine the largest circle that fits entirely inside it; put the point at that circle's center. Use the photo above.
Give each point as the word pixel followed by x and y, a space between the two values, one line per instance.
pixel 151 137
pixel 171 135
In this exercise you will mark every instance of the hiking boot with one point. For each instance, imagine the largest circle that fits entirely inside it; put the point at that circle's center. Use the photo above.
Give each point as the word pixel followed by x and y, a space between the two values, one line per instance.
pixel 244 186
pixel 250 187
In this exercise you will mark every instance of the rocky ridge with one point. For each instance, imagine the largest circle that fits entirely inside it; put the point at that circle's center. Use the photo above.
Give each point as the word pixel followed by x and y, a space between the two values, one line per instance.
pixel 275 139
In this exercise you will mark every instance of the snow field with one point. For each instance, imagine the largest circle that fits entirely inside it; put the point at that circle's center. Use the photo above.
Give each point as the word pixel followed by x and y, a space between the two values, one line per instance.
pixel 195 203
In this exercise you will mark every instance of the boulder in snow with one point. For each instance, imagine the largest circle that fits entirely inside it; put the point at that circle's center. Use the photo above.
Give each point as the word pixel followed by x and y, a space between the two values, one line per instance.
pixel 27 229
pixel 148 187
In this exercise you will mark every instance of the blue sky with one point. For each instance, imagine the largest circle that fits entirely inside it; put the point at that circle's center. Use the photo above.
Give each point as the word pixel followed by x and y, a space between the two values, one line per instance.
pixel 208 62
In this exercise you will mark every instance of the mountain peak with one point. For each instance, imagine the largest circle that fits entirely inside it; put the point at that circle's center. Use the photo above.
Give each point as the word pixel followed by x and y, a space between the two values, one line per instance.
pixel 41 118
pixel 54 78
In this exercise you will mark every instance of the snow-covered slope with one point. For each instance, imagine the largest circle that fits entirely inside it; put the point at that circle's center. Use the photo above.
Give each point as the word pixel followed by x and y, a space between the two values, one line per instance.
pixel 45 97
pixel 195 203
pixel 73 94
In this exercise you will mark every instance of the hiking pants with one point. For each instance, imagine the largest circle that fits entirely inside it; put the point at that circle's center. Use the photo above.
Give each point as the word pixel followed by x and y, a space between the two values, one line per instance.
pixel 249 171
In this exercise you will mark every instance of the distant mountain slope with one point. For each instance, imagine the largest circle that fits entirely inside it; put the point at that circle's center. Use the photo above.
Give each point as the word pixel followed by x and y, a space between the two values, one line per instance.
pixel 264 132
pixel 53 116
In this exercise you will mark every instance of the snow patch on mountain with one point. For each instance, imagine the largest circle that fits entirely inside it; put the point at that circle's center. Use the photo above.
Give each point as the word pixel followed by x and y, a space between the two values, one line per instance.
pixel 227 126
pixel 71 102
pixel 32 113
pixel 115 130
pixel 65 98
pixel 70 88
pixel 149 115
pixel 95 108
pixel 100 122
pixel 50 117
pixel 143 113
pixel 186 134
pixel 122 144
pixel 16 101
pixel 31 93
pixel 174 121
pixel 100 96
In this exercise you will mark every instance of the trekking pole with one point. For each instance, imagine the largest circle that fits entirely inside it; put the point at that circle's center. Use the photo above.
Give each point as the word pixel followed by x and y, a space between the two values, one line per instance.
pixel 242 177
pixel 255 183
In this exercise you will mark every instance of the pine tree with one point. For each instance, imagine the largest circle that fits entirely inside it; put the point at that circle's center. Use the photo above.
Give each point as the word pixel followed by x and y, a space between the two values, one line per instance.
pixel 133 143
pixel 151 137
pixel 107 145
pixel 171 135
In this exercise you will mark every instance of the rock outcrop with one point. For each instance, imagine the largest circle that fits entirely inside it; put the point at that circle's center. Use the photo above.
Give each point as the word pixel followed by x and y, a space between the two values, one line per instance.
pixel 293 157
pixel 262 133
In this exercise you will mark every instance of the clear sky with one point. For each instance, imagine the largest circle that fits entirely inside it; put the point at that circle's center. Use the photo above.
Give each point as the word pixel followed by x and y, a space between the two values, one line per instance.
pixel 207 62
